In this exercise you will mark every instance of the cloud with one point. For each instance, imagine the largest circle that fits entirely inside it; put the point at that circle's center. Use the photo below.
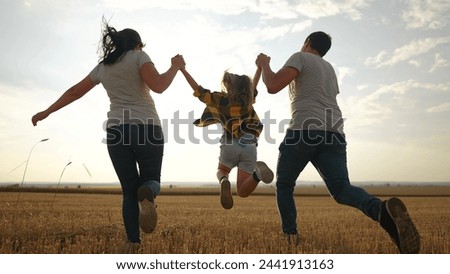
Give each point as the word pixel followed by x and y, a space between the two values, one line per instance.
pixel 401 88
pixel 267 9
pixel 273 9
pixel 271 33
pixel 444 107
pixel 362 87
pixel 426 14
pixel 415 63
pixel 381 105
pixel 363 112
pixel 299 27
pixel 324 8
pixel 439 62
pixel 343 72
pixel 136 5
pixel 406 52
pixel 230 7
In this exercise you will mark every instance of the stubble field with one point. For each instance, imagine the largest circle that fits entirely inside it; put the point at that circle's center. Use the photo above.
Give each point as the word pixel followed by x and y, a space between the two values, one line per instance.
pixel 83 223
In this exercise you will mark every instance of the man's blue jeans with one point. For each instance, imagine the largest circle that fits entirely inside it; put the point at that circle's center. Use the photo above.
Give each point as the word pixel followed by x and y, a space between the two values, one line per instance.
pixel 136 151
pixel 327 152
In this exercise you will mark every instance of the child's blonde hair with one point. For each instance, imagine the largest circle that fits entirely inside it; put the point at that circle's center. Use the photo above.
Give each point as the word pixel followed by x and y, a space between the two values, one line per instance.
pixel 239 87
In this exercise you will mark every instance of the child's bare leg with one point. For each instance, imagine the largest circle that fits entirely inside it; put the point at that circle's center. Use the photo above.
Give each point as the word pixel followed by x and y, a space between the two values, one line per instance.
pixel 226 199
pixel 222 171
pixel 246 183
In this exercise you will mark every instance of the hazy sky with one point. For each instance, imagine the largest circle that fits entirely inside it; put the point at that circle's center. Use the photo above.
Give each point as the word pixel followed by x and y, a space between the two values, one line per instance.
pixel 392 60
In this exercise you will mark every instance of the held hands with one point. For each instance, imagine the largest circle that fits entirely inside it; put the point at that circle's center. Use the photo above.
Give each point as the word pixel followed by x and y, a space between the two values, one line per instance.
pixel 178 62
pixel 262 60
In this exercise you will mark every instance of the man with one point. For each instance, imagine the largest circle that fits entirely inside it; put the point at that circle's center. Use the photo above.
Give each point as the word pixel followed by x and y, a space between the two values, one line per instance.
pixel 315 134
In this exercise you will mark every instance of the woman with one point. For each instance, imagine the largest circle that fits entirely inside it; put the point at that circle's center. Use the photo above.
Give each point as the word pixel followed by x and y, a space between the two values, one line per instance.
pixel 134 134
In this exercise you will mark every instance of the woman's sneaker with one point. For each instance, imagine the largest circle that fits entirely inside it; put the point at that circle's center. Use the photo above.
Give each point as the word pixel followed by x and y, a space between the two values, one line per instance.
pixel 263 172
pixel 226 199
pixel 394 218
pixel 147 215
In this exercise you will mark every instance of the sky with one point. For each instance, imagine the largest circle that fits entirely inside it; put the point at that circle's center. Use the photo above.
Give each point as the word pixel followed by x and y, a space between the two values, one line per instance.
pixel 392 59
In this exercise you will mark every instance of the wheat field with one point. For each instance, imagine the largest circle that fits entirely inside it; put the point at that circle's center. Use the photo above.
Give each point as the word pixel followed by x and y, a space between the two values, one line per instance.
pixel 81 223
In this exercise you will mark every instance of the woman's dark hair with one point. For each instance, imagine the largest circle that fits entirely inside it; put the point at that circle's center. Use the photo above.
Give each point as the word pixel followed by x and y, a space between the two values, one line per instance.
pixel 320 41
pixel 116 43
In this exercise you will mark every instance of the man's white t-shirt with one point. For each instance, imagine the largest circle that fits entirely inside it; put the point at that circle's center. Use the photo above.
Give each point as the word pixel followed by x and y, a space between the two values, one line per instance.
pixel 129 96
pixel 313 94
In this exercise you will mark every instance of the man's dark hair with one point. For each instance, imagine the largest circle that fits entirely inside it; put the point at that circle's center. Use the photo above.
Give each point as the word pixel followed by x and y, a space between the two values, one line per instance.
pixel 320 41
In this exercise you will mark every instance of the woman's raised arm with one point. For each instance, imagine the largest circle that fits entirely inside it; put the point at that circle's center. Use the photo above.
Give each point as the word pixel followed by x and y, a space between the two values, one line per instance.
pixel 160 82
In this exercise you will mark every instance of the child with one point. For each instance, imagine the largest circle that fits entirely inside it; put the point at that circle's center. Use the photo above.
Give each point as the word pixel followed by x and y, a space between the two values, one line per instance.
pixel 233 109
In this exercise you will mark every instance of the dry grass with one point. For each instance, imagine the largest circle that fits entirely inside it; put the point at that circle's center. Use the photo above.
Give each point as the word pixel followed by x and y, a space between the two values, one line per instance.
pixel 92 223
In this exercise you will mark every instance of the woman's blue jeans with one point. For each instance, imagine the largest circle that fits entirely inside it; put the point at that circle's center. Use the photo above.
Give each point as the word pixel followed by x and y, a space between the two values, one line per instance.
pixel 327 152
pixel 136 151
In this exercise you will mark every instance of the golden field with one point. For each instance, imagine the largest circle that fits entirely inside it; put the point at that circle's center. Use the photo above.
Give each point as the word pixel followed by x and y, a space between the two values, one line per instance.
pixel 191 221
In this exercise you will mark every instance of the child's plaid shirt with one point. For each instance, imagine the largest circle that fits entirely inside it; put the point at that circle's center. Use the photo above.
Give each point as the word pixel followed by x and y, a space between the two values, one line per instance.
pixel 236 119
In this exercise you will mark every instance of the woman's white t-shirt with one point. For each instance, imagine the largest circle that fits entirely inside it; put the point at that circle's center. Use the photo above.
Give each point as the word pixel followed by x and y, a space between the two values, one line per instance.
pixel 129 96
